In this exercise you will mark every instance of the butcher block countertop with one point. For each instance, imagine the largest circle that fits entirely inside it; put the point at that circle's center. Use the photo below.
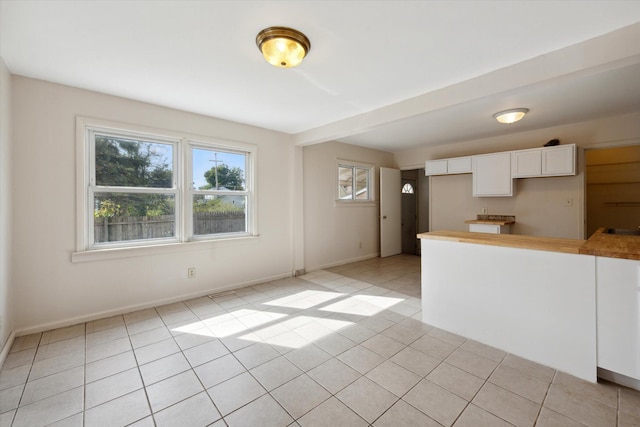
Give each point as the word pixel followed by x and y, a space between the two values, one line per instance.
pixel 552 244
pixel 612 245
pixel 492 219
pixel 599 244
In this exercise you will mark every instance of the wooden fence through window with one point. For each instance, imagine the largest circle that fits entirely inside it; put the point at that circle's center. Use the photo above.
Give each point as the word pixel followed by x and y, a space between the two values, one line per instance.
pixel 125 228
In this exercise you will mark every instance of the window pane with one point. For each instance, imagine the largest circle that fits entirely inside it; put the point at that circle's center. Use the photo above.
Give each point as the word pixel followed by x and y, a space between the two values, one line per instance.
pixel 407 188
pixel 345 183
pixel 218 170
pixel 214 214
pixel 132 163
pixel 120 217
pixel 362 184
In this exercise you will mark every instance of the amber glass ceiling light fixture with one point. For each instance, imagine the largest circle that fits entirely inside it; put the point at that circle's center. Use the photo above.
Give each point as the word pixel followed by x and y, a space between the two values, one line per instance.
pixel 511 116
pixel 283 47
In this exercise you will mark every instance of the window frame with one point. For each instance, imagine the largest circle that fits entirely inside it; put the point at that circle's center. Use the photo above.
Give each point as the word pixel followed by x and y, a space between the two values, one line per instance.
pixel 192 191
pixel 182 189
pixel 353 201
pixel 93 187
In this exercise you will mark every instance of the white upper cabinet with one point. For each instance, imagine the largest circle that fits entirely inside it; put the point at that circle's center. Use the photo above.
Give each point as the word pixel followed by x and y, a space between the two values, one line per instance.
pixel 492 175
pixel 558 161
pixel 459 165
pixel 546 161
pixel 526 163
pixel 448 166
pixel 435 167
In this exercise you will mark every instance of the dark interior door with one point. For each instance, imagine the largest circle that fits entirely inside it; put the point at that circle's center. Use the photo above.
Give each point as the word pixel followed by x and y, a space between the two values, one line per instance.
pixel 409 216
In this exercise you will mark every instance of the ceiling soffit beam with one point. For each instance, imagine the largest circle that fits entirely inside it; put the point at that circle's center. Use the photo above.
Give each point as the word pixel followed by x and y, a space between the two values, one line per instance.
pixel 610 51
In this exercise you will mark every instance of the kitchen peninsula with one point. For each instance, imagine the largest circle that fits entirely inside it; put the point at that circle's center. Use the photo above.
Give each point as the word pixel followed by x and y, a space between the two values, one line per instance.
pixel 544 299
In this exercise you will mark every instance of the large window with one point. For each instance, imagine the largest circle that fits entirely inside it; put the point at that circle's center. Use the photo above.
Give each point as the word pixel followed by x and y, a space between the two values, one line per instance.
pixel 132 189
pixel 355 182
pixel 142 189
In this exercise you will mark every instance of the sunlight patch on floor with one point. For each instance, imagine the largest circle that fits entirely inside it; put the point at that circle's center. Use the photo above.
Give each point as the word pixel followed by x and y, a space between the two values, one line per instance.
pixel 297 328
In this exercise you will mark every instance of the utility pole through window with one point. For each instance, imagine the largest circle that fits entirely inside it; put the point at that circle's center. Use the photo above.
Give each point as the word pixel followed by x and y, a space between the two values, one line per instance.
pixel 215 168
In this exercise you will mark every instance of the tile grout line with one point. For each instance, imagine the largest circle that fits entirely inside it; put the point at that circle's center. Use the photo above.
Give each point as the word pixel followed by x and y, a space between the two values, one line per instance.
pixel 618 396
pixel 480 388
pixel 422 379
pixel 191 368
pixel 544 399
pixel 24 388
pixel 172 336
pixel 144 387
pixel 268 392
pixel 305 373
pixel 33 362
pixel 138 366
pixel 411 388
pixel 235 376
pixel 205 390
pixel 84 378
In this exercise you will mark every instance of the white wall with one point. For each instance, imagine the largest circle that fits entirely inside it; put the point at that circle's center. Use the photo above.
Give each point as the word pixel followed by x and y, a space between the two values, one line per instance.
pixel 50 289
pixel 332 233
pixel 38 156
pixel 6 295
pixel 539 203
pixel 423 200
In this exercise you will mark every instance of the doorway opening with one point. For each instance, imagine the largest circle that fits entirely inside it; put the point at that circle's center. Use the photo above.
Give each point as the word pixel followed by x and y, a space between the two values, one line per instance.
pixel 415 209
pixel 612 188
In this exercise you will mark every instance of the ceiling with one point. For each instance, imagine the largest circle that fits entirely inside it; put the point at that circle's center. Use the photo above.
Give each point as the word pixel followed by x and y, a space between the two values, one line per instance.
pixel 390 75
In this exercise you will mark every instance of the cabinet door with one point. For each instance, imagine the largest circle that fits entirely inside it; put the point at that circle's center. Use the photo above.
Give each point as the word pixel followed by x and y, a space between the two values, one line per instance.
pixel 526 163
pixel 492 175
pixel 459 165
pixel 484 228
pixel 435 167
pixel 557 161
pixel 617 321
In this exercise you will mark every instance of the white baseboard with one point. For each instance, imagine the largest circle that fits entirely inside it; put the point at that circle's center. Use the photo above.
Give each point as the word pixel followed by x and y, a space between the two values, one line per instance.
pixel 128 309
pixel 342 262
pixel 6 348
pixel 619 379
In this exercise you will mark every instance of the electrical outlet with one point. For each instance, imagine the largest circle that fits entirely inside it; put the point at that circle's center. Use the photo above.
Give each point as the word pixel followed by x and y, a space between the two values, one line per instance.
pixel 191 273
pixel 485 211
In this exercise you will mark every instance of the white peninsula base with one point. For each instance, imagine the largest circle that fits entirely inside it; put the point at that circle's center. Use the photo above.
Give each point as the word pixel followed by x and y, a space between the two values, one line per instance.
pixel 536 304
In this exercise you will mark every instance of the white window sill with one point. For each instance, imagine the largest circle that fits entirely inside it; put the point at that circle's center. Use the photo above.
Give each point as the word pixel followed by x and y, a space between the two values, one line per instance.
pixel 135 251
pixel 354 204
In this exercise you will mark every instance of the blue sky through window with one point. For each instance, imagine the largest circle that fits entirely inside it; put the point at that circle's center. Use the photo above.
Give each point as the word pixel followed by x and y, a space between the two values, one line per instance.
pixel 203 160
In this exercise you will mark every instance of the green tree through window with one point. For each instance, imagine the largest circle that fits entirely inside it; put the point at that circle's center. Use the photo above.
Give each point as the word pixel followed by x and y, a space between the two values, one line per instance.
pixel 229 178
pixel 121 162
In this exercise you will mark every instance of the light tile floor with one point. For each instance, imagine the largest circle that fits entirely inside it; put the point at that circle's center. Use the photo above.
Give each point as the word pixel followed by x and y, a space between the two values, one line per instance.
pixel 342 347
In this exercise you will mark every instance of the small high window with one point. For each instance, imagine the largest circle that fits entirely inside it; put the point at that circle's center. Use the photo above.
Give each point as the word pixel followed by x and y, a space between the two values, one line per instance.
pixel 355 182
pixel 407 189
